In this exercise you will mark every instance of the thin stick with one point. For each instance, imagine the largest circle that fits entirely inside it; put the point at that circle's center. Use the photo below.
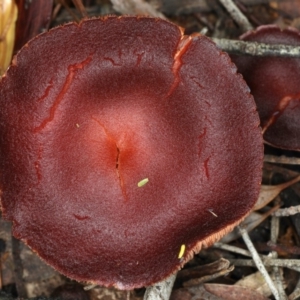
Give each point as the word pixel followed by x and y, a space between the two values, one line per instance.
pixel 293 264
pixel 69 10
pixel 282 159
pixel 89 287
pixel 285 212
pixel 258 262
pixel 257 49
pixel 160 291
pixel 198 281
pixel 275 224
pixel 233 249
pixel 80 7
pixel 236 14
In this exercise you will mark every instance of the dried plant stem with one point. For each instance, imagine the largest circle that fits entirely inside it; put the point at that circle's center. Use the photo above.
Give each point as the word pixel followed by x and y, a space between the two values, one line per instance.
pixel 161 290
pixel 256 49
pixel 258 262
pixel 285 212
pixel 69 10
pixel 279 281
pixel 198 281
pixel 236 14
pixel 275 223
pixel 80 7
pixel 282 159
pixel 293 264
pixel 233 249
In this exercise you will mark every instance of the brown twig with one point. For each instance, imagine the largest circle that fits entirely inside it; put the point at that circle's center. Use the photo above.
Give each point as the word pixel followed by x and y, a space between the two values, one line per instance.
pixel 236 14
pixel 284 248
pixel 80 7
pixel 282 159
pixel 69 10
pixel 198 281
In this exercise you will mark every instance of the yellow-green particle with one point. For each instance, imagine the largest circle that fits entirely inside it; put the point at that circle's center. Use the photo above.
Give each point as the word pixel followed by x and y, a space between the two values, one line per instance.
pixel 143 182
pixel 181 252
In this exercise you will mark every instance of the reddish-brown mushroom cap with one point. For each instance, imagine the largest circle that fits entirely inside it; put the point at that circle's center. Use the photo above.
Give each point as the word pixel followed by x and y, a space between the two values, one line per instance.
pixel 89 111
pixel 274 83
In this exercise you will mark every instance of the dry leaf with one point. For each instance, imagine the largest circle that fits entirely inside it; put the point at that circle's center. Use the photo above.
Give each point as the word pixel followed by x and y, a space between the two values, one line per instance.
pixel 193 293
pixel 257 283
pixel 233 292
pixel 270 192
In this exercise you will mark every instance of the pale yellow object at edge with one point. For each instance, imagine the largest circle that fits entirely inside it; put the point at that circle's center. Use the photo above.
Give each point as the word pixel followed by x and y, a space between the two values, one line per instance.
pixel 8 17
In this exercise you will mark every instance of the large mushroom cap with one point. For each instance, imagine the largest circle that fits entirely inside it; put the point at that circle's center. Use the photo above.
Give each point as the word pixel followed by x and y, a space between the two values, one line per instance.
pixel 274 83
pixel 120 142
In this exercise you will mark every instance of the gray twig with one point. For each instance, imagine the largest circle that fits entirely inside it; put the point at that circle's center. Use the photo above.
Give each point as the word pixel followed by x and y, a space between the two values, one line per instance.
pixel 293 264
pixel 236 14
pixel 275 223
pixel 161 290
pixel 233 249
pixel 285 212
pixel 258 262
pixel 257 49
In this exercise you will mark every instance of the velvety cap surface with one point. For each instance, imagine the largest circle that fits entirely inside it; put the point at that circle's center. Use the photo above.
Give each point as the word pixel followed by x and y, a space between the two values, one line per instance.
pixel 120 141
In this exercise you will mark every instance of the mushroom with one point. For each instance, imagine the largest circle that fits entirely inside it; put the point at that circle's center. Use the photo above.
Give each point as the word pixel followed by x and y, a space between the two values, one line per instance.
pixel 274 83
pixel 125 147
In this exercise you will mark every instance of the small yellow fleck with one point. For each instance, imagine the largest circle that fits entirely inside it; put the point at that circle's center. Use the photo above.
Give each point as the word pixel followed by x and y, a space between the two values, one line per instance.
pixel 77 125
pixel 211 211
pixel 181 252
pixel 142 182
